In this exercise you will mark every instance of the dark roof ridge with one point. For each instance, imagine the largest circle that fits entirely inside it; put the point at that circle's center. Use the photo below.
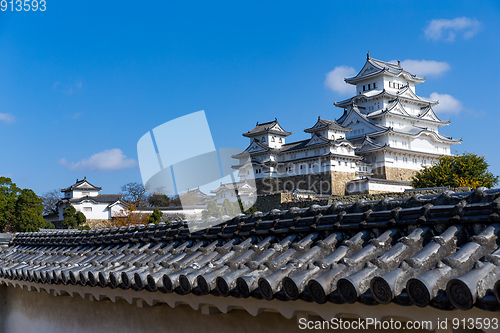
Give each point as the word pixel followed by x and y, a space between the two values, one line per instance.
pixel 337 209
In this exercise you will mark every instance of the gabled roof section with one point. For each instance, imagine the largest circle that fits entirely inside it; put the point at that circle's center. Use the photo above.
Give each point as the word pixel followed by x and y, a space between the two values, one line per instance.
pixel 374 67
pixel 404 93
pixel 415 131
pixel 324 124
pixel 354 115
pixel 316 140
pixel 272 127
pixel 369 144
pixel 81 185
pixel 255 146
pixel 396 108
pixel 429 114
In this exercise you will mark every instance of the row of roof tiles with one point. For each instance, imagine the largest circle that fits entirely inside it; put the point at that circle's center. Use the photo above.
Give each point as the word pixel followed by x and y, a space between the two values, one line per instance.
pixel 437 250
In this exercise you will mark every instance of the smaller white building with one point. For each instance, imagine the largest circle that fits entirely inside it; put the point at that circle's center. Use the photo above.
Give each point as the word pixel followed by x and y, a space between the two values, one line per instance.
pixel 242 190
pixel 85 198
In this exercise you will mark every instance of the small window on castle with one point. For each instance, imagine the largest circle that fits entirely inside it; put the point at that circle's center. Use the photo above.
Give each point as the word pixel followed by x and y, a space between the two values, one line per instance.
pixel 273 139
pixel 263 139
pixel 364 88
pixel 85 193
pixel 375 86
pixel 281 140
pixel 87 209
pixel 369 86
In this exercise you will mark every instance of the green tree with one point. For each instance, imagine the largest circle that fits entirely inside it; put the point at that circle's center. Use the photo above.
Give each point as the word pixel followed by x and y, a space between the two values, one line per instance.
pixel 28 212
pixel 230 208
pixel 467 169
pixel 211 211
pixel 155 217
pixel 73 219
pixel 20 209
pixel 8 197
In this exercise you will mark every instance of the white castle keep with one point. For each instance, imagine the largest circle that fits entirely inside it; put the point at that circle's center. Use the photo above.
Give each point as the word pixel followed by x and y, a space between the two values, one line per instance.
pixel 385 134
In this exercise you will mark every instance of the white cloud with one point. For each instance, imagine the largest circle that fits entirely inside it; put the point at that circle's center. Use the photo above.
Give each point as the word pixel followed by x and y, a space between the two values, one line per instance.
pixel 107 160
pixel 7 118
pixel 447 103
pixel 335 80
pixel 448 29
pixel 424 67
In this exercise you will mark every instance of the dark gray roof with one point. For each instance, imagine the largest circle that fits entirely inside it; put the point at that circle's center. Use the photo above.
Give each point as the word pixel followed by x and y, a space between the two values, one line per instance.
pixel 88 186
pixel 383 67
pixel 438 250
pixel 272 127
pixel 101 198
pixel 323 124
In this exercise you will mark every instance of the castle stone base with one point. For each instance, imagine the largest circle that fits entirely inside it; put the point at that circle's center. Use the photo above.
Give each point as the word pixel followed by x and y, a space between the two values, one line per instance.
pixel 320 183
pixel 393 173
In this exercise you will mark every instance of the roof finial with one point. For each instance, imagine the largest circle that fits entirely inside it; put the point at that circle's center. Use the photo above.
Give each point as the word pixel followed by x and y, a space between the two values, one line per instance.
pixel 257 124
pixel 399 63
pixel 319 117
pixel 275 119
pixel 368 56
pixel 84 177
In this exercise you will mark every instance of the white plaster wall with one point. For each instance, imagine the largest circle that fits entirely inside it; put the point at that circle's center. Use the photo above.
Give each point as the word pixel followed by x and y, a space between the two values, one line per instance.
pixel 79 194
pixel 99 211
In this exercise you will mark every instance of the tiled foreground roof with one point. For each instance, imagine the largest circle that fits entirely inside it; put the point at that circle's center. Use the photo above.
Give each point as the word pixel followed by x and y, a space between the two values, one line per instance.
pixel 438 251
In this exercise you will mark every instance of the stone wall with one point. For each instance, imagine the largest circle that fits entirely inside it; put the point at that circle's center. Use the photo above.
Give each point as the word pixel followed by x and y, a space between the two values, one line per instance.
pixel 321 183
pixel 338 181
pixel 390 173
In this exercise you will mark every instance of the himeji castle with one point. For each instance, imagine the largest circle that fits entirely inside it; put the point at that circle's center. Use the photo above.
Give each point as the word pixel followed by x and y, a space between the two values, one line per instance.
pixel 385 134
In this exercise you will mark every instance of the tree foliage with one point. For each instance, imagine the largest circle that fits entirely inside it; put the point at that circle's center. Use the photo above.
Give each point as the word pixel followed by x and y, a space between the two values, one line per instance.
pixel 158 200
pixel 467 169
pixel 128 217
pixel 20 209
pixel 50 200
pixel 155 217
pixel 230 208
pixel 211 211
pixel 73 219
pixel 135 193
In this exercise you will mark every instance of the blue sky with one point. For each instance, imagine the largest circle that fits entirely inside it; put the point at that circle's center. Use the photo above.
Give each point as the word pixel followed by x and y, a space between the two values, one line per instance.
pixel 81 82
